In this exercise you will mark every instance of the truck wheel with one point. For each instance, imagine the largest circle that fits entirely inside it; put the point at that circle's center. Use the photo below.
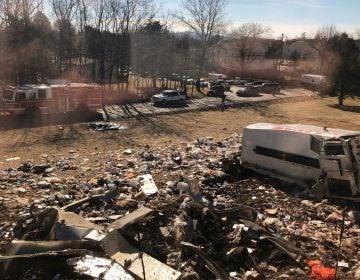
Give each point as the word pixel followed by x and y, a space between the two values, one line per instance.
pixel 33 114
pixel 82 112
pixel 162 102
pixel 82 108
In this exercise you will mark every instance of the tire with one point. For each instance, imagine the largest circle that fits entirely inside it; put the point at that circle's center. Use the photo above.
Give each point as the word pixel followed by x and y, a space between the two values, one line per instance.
pixel 162 103
pixel 82 108
pixel 32 115
pixel 82 112
pixel 181 102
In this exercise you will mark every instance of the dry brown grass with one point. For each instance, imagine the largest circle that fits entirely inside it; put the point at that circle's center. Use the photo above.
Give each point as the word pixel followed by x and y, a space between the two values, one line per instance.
pixel 30 143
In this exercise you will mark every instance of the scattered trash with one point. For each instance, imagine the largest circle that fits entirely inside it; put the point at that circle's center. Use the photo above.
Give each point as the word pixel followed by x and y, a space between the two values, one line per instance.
pixel 127 152
pixel 188 212
pixel 141 264
pixel 99 267
pixel 218 272
pixel 320 272
pixel 133 217
pixel 12 159
pixel 147 184
pixel 102 126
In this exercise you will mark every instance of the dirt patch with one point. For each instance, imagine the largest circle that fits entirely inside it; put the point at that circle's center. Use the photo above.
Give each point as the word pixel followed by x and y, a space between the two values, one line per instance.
pixel 55 165
pixel 31 143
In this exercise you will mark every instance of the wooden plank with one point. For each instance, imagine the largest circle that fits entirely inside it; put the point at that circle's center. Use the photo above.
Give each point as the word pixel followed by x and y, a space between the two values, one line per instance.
pixel 131 218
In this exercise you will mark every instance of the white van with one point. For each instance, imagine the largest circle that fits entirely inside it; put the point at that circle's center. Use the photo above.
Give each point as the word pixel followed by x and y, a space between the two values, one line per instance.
pixel 216 76
pixel 314 82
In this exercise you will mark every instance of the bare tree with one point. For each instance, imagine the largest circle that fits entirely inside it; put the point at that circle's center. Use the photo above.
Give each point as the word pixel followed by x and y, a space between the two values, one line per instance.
pixel 247 39
pixel 321 44
pixel 125 18
pixel 13 10
pixel 64 11
pixel 19 36
pixel 105 29
pixel 357 33
pixel 205 18
pixel 81 21
pixel 152 51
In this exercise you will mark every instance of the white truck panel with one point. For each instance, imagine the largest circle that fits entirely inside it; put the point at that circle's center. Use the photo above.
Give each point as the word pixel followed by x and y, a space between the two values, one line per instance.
pixel 303 154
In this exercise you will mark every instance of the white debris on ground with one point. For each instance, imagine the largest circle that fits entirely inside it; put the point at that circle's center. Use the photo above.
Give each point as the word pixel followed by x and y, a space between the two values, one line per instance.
pixel 209 218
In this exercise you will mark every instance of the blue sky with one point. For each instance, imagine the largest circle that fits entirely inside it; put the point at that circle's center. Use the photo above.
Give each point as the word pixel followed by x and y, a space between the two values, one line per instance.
pixel 291 17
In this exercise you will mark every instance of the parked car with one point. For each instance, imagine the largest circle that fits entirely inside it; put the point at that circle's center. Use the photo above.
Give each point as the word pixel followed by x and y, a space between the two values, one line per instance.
pixel 239 82
pixel 190 81
pixel 187 80
pixel 246 91
pixel 204 83
pixel 221 82
pixel 175 77
pixel 255 82
pixel 168 96
pixel 268 88
pixel 215 91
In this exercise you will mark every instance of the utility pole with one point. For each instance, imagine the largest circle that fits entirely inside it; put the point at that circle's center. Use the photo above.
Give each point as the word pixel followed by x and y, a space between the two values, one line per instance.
pixel 281 49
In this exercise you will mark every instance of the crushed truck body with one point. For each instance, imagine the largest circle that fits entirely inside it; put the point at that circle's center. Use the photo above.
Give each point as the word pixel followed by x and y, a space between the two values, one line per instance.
pixel 325 159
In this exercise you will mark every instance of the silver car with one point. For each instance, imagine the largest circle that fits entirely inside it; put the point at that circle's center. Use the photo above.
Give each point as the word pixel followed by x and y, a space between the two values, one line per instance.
pixel 246 91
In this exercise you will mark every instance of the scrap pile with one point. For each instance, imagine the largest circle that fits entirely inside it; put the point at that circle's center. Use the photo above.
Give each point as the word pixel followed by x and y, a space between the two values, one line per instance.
pixel 186 212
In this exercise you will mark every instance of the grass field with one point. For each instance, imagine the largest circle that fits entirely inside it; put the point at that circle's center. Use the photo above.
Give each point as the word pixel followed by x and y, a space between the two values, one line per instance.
pixel 30 143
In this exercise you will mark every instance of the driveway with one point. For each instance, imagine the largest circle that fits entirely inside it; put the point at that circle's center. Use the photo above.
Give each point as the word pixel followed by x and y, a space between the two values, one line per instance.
pixel 206 103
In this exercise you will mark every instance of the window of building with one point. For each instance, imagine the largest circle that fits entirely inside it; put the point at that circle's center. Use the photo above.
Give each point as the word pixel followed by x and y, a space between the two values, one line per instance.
pixel 41 93
pixel 32 95
pixel 20 96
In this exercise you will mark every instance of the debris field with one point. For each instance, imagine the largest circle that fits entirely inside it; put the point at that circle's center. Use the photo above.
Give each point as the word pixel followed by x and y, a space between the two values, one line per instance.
pixel 187 212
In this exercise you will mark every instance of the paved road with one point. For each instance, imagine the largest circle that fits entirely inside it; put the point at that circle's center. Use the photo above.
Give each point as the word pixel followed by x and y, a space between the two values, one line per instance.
pixel 206 103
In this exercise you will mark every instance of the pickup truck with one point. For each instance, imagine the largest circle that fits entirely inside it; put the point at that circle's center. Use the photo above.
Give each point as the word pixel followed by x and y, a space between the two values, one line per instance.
pixel 168 96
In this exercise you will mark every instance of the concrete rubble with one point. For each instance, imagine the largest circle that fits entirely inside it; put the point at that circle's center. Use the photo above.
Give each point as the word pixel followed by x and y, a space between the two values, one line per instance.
pixel 175 212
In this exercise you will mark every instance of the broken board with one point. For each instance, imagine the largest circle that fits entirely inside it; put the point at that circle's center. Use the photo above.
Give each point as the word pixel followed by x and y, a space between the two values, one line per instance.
pixel 133 217
pixel 139 263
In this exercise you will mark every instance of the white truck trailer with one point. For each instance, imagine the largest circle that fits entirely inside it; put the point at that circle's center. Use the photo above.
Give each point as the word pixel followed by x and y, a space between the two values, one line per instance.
pixel 314 82
pixel 326 159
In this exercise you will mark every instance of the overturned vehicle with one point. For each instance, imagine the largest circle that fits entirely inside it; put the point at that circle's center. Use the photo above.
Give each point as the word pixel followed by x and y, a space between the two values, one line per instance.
pixel 325 159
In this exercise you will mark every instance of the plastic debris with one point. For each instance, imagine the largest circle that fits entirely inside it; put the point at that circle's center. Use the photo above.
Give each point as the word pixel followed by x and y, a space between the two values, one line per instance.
pixel 320 272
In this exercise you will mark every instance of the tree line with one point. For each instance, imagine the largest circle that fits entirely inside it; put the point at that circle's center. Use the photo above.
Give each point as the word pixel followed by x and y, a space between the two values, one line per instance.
pixel 104 41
